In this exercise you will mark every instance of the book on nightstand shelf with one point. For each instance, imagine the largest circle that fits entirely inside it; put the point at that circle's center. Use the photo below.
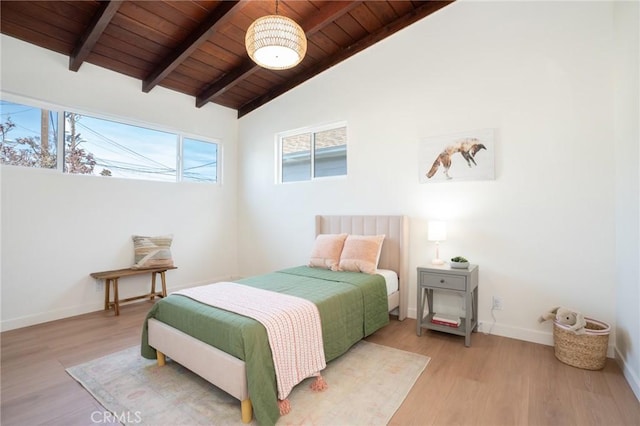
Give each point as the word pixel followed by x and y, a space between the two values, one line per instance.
pixel 444 319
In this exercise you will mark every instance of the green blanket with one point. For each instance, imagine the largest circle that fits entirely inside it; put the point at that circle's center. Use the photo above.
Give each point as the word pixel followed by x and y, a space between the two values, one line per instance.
pixel 351 305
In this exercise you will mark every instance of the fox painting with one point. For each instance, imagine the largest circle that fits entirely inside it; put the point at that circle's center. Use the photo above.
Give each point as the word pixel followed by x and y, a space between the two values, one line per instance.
pixel 466 147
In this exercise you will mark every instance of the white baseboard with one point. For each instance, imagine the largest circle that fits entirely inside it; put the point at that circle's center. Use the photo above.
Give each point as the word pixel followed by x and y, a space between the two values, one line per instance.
pixel 534 336
pixel 56 314
pixel 527 335
pixel 42 317
pixel 630 375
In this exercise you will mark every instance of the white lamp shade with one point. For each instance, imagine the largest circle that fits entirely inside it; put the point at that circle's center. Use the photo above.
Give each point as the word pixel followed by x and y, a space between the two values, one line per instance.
pixel 437 230
pixel 276 42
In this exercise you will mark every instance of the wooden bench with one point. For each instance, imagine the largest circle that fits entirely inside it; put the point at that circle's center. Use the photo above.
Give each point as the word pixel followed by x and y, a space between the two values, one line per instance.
pixel 111 277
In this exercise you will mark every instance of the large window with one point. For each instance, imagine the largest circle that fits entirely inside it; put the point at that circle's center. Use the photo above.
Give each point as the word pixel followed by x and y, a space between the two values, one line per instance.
pixel 313 153
pixel 97 146
pixel 107 148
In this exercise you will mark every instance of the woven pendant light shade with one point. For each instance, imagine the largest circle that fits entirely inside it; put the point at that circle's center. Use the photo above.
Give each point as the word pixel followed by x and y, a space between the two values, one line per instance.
pixel 276 42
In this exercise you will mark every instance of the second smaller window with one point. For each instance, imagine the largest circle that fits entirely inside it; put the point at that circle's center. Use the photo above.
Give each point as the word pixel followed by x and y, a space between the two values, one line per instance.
pixel 313 153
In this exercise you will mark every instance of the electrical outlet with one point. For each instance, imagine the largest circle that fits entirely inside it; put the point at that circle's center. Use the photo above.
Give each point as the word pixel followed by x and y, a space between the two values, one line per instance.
pixel 496 303
pixel 99 286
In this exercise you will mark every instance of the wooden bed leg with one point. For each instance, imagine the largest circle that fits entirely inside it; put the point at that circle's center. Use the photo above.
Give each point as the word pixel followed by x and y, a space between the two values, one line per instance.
pixel 161 358
pixel 247 411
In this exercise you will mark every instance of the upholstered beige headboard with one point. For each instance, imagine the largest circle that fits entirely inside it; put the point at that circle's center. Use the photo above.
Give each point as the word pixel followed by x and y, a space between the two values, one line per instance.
pixel 395 249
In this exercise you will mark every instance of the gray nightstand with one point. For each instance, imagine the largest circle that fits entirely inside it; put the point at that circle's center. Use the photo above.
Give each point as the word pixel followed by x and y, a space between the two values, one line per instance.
pixel 464 281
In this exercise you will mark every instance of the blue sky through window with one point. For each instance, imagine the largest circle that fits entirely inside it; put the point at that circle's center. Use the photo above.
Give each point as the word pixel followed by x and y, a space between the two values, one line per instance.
pixel 200 160
pixel 124 150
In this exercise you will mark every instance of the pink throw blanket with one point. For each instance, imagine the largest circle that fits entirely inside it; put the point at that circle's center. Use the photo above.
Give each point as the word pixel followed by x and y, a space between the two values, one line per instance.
pixel 292 323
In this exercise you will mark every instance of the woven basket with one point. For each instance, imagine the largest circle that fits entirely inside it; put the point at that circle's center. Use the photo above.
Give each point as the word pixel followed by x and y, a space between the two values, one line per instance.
pixel 588 350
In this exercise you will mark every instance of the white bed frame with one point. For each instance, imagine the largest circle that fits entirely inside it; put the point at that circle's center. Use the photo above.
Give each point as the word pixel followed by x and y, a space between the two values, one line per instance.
pixel 228 372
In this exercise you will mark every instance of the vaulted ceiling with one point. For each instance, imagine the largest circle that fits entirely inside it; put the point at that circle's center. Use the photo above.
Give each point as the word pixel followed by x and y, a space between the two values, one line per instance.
pixel 197 47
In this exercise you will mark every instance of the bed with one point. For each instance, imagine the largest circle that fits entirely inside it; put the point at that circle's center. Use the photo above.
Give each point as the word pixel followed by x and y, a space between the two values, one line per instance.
pixel 227 349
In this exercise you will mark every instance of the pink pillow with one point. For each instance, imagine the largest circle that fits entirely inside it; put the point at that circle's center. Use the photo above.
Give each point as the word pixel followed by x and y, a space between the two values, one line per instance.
pixel 361 253
pixel 326 251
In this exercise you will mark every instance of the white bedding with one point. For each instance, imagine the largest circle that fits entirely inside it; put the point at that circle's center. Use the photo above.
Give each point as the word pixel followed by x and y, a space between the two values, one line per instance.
pixel 391 279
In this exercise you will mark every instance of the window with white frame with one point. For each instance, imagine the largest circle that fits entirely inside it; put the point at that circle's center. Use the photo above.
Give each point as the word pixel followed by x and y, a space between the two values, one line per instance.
pixel 199 160
pixel 29 135
pixel 97 146
pixel 109 148
pixel 313 153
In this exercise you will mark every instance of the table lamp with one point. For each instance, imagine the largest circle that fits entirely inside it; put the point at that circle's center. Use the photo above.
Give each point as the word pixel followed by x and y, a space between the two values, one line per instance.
pixel 437 231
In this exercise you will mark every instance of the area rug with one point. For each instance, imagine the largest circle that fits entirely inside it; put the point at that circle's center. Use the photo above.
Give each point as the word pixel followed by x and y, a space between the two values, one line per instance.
pixel 366 387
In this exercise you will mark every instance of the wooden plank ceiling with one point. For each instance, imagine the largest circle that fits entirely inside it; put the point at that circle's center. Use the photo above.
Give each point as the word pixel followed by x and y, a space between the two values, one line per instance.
pixel 197 47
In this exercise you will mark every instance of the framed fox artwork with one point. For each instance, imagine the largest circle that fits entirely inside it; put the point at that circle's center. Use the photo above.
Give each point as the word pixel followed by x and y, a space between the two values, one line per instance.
pixel 457 157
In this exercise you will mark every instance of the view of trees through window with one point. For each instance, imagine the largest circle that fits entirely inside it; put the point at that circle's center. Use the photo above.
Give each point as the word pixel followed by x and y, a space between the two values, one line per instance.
pixel 29 136
pixel 95 146
pixel 124 150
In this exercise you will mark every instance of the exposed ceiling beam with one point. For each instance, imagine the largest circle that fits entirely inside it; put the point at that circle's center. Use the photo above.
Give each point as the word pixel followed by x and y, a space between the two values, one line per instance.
pixel 329 12
pixel 424 10
pixel 93 32
pixel 221 14
pixel 226 82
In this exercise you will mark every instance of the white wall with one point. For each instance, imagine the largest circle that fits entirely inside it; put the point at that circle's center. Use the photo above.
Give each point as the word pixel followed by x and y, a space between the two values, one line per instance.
pixel 627 189
pixel 58 228
pixel 543 231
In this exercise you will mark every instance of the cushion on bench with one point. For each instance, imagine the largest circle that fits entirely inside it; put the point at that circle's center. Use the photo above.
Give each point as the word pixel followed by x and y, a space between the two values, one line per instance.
pixel 152 252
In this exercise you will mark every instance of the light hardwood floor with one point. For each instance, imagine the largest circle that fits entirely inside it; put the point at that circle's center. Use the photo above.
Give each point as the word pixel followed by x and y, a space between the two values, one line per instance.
pixel 497 381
